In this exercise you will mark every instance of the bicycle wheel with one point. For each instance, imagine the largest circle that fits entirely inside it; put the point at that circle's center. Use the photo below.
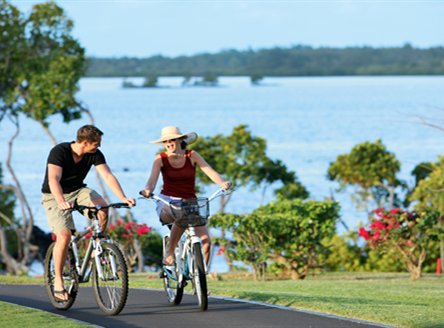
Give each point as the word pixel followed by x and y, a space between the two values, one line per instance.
pixel 111 291
pixel 200 277
pixel 70 278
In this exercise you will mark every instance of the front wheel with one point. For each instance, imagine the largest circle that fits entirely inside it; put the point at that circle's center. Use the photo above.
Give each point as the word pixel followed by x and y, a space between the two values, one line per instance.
pixel 111 290
pixel 199 277
pixel 70 278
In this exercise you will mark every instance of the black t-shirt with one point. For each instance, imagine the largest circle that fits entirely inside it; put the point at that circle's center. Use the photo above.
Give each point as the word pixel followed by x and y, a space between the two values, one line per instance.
pixel 73 174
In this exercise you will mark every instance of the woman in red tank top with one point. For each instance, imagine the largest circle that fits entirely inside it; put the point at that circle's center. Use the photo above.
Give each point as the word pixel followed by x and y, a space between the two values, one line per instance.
pixel 178 168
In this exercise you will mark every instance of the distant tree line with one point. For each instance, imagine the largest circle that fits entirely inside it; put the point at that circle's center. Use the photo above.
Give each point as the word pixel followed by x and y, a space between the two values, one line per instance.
pixel 299 60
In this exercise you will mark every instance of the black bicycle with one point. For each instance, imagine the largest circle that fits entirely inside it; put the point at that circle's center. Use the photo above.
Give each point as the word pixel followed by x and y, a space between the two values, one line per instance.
pixel 103 259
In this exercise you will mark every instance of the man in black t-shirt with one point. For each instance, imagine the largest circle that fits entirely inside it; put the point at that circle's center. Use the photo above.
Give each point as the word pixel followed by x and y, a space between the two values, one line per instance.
pixel 67 166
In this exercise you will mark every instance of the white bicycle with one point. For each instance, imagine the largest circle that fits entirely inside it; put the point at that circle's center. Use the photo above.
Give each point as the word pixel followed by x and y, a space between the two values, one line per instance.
pixel 190 263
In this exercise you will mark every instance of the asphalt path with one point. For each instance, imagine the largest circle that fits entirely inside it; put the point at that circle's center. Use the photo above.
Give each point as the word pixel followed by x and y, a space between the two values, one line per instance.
pixel 150 308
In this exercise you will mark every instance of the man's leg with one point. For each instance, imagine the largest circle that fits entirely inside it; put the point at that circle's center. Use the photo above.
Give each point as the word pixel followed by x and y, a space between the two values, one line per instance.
pixel 89 197
pixel 61 223
pixel 59 255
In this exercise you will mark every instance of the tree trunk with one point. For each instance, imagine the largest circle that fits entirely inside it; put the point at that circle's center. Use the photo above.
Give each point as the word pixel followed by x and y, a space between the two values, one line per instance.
pixel 27 216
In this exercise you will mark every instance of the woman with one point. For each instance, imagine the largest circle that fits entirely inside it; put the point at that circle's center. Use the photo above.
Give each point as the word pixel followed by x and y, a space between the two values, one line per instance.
pixel 178 167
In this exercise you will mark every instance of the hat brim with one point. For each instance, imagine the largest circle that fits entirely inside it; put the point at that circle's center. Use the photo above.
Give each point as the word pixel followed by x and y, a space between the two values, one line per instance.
pixel 189 138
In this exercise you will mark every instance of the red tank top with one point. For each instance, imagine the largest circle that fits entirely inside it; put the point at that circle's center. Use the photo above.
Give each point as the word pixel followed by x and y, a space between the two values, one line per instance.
pixel 178 182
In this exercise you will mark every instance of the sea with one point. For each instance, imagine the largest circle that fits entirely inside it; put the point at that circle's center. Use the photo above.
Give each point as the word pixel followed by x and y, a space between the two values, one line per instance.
pixel 306 121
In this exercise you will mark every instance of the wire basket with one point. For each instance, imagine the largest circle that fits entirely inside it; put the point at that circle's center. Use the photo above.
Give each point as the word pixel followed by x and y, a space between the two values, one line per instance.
pixel 192 212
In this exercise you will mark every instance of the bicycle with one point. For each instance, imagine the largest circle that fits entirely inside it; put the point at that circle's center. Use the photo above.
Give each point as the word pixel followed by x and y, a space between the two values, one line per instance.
pixel 189 257
pixel 103 259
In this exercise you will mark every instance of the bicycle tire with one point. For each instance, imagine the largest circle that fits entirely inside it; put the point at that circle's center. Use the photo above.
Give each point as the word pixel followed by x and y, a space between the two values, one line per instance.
pixel 111 292
pixel 173 288
pixel 70 278
pixel 200 277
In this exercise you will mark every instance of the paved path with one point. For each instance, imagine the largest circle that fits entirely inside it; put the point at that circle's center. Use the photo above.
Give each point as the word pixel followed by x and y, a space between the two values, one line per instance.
pixel 149 308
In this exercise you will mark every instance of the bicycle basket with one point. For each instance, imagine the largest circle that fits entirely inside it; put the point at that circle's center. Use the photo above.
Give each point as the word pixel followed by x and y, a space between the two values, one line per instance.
pixel 191 212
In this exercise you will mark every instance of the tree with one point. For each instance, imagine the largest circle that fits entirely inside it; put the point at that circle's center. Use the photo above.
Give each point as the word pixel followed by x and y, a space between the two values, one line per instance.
pixel 408 233
pixel 286 233
pixel 429 194
pixel 41 64
pixel 242 159
pixel 371 169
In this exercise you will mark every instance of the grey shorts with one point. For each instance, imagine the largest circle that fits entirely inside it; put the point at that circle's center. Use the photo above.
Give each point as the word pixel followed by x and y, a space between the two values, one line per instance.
pixel 62 220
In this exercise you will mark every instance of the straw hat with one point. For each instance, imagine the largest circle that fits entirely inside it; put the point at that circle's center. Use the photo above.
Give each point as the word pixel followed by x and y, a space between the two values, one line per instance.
pixel 173 132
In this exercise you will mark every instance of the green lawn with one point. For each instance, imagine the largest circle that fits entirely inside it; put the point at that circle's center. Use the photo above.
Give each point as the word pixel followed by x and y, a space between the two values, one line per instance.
pixel 386 298
pixel 20 316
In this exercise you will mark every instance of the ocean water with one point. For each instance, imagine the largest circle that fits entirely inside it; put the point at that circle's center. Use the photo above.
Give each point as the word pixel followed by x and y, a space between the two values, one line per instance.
pixel 307 123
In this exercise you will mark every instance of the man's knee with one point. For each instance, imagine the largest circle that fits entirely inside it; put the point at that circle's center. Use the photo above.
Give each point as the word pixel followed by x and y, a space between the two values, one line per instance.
pixel 63 236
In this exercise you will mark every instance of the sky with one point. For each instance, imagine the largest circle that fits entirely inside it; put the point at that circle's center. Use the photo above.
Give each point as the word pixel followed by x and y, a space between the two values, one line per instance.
pixel 143 28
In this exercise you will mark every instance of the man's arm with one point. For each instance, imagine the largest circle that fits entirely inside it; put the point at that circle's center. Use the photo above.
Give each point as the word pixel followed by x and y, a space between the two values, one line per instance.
pixel 54 176
pixel 113 184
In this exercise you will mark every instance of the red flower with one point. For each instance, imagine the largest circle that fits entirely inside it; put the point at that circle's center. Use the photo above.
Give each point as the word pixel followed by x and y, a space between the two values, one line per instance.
pixel 364 233
pixel 143 229
pixel 377 225
pixel 88 235
pixel 220 251
pixel 395 211
pixel 112 227
pixel 379 211
pixel 376 235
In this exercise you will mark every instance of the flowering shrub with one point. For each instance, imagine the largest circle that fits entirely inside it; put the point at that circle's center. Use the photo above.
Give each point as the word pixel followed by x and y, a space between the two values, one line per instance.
pixel 409 233
pixel 132 237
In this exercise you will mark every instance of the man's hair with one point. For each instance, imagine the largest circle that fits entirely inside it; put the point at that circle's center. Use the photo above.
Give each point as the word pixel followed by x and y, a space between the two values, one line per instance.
pixel 89 133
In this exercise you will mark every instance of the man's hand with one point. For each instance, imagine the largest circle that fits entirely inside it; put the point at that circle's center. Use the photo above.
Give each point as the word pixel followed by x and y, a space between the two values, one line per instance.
pixel 65 205
pixel 130 201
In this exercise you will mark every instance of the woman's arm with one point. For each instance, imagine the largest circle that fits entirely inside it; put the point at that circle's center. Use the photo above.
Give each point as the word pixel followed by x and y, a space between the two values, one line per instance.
pixel 154 176
pixel 209 171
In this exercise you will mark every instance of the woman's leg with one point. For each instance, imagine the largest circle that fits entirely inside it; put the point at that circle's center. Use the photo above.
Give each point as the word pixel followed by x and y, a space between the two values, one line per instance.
pixel 204 235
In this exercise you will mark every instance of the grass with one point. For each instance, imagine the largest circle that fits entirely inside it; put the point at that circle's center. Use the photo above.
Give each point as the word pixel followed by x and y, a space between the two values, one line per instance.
pixel 387 298
pixel 20 316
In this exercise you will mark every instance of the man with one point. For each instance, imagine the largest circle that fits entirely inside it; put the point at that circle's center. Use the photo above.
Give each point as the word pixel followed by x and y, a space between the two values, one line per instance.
pixel 67 166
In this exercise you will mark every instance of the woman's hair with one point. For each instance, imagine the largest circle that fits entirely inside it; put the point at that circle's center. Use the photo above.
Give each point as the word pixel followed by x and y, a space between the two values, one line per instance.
pixel 183 144
pixel 89 133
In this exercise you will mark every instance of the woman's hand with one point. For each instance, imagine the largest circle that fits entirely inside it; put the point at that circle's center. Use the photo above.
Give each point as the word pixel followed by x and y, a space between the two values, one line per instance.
pixel 145 192
pixel 225 185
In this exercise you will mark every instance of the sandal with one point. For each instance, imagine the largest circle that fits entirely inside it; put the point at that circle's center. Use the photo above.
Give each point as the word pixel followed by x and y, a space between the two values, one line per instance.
pixel 61 292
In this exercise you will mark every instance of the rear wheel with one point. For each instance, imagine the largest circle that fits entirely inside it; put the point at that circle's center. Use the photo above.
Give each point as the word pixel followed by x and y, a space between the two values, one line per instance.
pixel 111 290
pixel 70 278
pixel 199 277
pixel 173 288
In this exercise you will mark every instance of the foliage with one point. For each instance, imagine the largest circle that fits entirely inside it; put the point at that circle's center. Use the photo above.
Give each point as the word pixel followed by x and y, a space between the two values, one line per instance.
pixel 288 233
pixel 150 81
pixel 429 189
pixel 371 169
pixel 12 49
pixel 407 233
pixel 299 60
pixel 127 232
pixel 52 67
pixel 242 159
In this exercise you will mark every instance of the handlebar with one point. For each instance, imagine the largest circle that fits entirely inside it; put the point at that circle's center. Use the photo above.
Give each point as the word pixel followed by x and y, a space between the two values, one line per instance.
pixel 217 193
pixel 96 208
